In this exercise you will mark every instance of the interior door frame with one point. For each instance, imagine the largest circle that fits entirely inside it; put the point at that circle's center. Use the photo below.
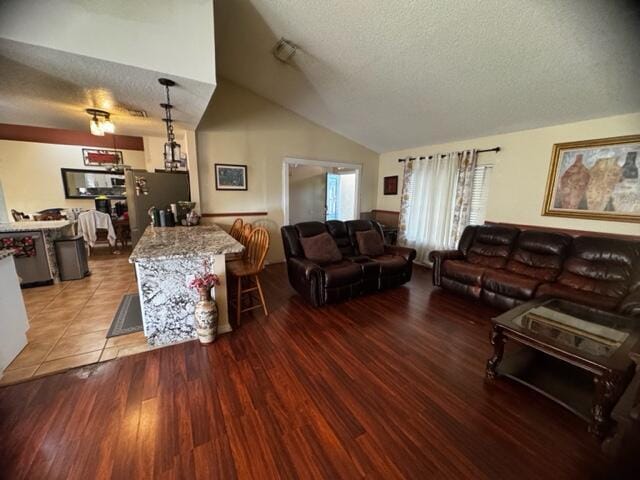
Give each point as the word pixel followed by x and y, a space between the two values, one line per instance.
pixel 317 163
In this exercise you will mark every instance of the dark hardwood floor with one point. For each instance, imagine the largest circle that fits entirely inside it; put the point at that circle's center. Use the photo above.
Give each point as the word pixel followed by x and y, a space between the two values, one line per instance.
pixel 386 386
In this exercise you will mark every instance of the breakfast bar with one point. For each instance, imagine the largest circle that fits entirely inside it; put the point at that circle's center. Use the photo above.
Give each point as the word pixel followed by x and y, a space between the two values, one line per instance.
pixel 166 259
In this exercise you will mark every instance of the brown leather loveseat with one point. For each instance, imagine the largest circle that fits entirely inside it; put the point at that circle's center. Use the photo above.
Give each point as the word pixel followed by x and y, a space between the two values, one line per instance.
pixel 505 266
pixel 338 269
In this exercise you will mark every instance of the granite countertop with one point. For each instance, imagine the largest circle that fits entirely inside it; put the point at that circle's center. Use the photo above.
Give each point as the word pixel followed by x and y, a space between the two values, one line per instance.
pixel 32 225
pixel 5 252
pixel 164 243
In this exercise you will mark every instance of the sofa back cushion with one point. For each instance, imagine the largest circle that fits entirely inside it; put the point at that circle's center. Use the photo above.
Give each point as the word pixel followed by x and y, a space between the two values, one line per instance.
pixel 354 226
pixel 539 255
pixel 321 249
pixel 601 265
pixel 492 245
pixel 291 235
pixel 338 231
pixel 370 243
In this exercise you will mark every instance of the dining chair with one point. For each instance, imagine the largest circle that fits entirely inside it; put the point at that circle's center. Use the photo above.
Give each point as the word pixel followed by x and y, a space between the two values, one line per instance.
pixel 246 272
pixel 236 229
pixel 246 232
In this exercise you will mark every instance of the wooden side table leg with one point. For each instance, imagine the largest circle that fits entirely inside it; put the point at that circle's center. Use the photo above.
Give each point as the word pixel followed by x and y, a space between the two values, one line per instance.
pixel 606 394
pixel 497 340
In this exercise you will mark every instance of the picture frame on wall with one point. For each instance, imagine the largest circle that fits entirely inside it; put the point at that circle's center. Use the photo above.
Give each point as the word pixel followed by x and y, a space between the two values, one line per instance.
pixel 102 158
pixel 391 185
pixel 230 177
pixel 595 179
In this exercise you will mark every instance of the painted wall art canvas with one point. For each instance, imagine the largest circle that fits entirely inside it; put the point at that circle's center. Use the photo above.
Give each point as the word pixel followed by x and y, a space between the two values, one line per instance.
pixel 595 179
pixel 231 177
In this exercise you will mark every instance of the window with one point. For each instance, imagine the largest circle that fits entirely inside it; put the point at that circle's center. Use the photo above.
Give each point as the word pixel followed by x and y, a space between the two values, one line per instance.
pixel 479 194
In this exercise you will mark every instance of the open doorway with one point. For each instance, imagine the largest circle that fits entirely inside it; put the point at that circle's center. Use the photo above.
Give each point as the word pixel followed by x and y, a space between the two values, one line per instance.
pixel 320 191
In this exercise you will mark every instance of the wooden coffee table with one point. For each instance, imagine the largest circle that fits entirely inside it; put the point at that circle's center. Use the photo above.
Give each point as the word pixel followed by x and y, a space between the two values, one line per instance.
pixel 575 355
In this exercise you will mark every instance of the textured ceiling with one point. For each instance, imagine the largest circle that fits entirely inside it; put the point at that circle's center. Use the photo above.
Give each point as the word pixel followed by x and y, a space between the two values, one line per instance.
pixel 50 88
pixel 394 74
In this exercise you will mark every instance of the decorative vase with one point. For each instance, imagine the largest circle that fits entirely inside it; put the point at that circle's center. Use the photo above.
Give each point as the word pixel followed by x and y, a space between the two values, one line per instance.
pixel 206 317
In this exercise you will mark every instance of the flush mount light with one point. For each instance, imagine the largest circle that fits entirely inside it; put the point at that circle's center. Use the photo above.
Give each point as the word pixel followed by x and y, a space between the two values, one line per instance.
pixel 100 122
pixel 284 50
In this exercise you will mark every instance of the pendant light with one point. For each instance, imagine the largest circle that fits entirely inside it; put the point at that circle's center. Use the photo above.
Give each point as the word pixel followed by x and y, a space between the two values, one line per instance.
pixel 100 122
pixel 173 156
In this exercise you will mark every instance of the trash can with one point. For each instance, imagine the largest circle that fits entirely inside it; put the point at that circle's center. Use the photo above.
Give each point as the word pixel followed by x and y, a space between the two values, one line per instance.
pixel 72 258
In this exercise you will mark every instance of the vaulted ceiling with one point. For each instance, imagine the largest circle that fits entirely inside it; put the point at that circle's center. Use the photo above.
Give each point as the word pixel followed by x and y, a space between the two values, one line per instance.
pixel 394 74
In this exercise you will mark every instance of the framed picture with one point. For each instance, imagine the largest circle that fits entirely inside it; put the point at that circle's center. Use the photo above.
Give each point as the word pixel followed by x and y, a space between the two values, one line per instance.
pixel 101 158
pixel 391 185
pixel 595 179
pixel 231 177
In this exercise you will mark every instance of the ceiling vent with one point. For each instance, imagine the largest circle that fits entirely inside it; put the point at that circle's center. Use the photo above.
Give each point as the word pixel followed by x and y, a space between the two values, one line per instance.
pixel 284 50
pixel 137 113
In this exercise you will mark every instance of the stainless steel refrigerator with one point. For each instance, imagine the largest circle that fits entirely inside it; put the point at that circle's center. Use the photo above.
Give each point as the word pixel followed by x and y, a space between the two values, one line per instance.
pixel 146 190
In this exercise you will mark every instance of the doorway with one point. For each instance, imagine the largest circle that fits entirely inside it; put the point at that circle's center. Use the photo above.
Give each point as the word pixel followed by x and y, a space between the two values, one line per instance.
pixel 319 191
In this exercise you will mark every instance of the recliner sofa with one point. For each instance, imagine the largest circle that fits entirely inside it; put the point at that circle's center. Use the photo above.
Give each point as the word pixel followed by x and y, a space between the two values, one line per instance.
pixel 354 273
pixel 506 266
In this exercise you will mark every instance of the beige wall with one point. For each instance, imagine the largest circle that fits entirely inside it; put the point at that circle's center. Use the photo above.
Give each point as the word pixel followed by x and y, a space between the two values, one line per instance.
pixel 240 127
pixel 30 174
pixel 517 188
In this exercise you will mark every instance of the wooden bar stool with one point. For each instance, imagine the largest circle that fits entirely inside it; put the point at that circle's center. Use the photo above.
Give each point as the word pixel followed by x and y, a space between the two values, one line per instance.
pixel 246 272
pixel 236 229
pixel 246 232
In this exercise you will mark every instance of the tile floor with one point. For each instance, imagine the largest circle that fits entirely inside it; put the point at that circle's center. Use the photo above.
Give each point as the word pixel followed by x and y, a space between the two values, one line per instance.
pixel 69 321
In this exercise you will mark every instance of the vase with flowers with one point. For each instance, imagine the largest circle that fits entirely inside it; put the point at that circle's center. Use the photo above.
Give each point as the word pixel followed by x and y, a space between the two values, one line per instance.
pixel 206 311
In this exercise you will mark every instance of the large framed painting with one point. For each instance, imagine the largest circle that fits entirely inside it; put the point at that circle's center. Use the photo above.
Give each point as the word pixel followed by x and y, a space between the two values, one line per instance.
pixel 595 179
pixel 231 177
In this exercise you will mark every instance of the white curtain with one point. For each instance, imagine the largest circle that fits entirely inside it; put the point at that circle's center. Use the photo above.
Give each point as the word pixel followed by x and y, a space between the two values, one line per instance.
pixel 429 214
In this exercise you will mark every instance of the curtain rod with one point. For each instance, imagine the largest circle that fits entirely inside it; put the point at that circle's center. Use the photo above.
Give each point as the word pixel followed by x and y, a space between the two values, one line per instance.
pixel 494 149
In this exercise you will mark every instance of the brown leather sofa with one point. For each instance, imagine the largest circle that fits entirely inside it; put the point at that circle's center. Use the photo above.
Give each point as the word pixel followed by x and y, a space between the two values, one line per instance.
pixel 350 275
pixel 506 266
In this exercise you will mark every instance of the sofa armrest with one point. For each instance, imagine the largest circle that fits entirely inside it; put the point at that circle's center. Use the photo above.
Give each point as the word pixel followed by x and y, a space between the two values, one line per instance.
pixel 631 304
pixel 409 254
pixel 438 257
pixel 305 277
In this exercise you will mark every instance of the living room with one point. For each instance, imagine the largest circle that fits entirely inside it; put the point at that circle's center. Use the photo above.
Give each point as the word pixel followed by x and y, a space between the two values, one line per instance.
pixel 406 242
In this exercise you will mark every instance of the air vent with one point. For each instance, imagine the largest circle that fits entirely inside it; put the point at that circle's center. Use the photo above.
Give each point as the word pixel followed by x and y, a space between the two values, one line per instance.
pixel 137 113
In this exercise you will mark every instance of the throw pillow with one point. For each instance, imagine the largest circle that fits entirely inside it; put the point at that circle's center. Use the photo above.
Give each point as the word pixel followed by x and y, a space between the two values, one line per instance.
pixel 321 249
pixel 370 243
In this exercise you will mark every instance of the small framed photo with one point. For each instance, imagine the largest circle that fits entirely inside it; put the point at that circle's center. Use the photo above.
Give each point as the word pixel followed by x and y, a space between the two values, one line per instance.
pixel 101 158
pixel 391 185
pixel 230 177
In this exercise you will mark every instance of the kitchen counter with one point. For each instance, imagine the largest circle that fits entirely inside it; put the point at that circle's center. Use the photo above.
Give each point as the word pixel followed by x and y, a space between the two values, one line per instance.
pixel 49 230
pixel 32 225
pixel 166 259
pixel 164 243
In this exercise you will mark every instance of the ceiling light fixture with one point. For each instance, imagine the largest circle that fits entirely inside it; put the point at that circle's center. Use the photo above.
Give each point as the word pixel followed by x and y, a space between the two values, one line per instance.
pixel 100 122
pixel 284 50
pixel 173 157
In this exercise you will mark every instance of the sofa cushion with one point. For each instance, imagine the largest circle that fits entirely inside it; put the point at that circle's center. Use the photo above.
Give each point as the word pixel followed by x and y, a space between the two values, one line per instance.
pixel 321 249
pixel 463 271
pixel 602 266
pixel 338 231
pixel 390 264
pixel 370 243
pixel 492 245
pixel 539 254
pixel 591 299
pixel 510 284
pixel 342 273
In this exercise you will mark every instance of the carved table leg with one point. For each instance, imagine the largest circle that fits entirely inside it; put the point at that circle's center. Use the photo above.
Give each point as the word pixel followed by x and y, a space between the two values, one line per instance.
pixel 497 340
pixel 607 392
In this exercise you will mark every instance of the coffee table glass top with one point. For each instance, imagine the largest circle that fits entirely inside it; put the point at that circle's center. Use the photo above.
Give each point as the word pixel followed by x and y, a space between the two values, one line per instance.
pixel 586 331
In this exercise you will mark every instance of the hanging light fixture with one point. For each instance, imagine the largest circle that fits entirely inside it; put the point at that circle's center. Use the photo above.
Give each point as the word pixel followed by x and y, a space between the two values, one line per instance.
pixel 173 156
pixel 100 122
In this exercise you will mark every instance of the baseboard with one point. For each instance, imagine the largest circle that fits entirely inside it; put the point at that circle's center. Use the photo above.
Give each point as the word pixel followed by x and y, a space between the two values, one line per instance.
pixel 224 329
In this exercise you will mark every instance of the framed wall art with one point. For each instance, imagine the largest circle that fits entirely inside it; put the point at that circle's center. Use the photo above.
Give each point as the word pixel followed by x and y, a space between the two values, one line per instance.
pixel 391 185
pixel 595 179
pixel 230 177
pixel 102 158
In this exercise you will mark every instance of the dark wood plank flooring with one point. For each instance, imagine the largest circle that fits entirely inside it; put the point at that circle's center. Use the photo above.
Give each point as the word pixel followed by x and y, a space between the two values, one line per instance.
pixel 386 386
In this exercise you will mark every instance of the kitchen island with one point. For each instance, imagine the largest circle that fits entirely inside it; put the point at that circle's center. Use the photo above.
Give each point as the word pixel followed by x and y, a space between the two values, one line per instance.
pixel 43 234
pixel 166 260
